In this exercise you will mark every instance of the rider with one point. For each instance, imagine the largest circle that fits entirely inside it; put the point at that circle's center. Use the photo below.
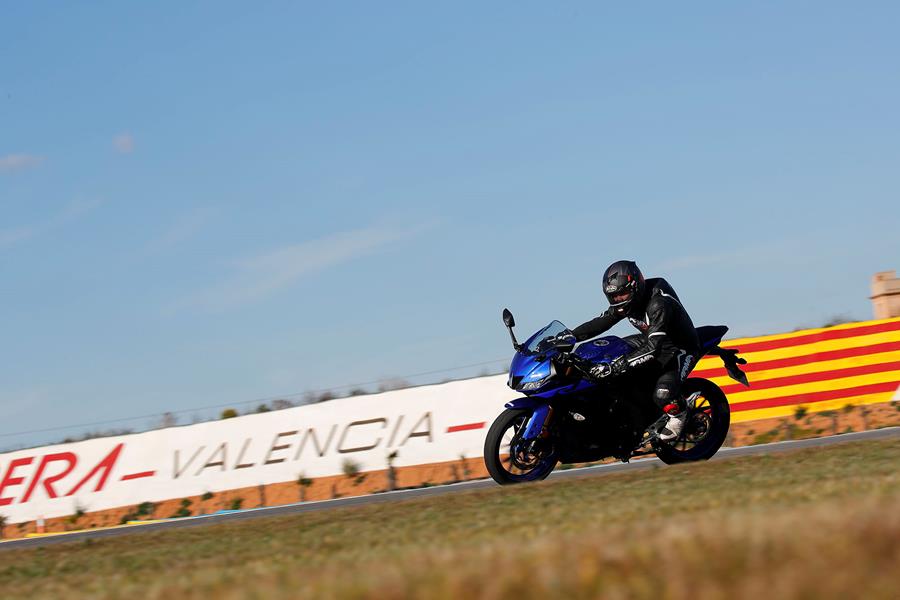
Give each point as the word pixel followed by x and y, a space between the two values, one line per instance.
pixel 668 340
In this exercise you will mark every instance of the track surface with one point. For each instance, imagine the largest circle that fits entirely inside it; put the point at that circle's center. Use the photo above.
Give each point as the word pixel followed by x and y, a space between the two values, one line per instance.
pixel 289 509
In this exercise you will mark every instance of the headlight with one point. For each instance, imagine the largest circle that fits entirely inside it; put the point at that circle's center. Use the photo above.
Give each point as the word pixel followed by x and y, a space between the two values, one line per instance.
pixel 533 385
pixel 529 386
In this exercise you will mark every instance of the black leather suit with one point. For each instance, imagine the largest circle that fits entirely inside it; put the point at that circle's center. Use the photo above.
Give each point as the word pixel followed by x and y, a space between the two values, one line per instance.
pixel 668 341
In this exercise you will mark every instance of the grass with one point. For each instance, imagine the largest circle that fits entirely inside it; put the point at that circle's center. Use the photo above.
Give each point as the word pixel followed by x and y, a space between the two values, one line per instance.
pixel 819 523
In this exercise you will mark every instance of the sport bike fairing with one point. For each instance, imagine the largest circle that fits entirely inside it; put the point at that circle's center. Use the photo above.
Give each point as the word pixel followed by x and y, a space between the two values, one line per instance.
pixel 533 374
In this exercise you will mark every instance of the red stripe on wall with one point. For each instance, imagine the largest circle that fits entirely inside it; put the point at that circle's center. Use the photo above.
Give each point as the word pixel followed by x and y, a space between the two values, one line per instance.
pixel 872 388
pixel 140 475
pixel 804 359
pixel 831 334
pixel 466 427
pixel 812 377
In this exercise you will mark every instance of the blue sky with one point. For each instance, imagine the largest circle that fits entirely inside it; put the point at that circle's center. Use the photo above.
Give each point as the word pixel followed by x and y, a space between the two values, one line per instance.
pixel 209 203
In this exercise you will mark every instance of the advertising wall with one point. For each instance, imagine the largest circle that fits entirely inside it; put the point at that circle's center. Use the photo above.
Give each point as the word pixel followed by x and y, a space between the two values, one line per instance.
pixel 423 425
pixel 820 369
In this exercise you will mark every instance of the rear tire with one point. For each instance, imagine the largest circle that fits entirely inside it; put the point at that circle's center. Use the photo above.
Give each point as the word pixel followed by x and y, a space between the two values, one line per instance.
pixel 500 470
pixel 720 420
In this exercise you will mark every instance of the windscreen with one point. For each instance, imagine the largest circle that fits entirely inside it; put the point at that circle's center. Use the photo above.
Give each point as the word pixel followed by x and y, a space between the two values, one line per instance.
pixel 536 343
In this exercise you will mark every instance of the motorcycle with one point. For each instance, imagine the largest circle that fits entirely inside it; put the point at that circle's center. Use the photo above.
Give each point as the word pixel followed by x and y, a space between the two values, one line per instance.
pixel 568 416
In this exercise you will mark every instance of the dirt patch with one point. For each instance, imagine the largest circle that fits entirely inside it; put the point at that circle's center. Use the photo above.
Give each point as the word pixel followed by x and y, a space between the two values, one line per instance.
pixel 805 424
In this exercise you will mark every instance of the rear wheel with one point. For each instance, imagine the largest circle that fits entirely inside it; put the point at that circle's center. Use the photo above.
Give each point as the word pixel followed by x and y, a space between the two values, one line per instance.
pixel 510 460
pixel 706 428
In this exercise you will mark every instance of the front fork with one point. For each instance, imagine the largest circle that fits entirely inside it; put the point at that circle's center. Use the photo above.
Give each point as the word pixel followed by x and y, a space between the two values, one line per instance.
pixel 536 429
pixel 539 423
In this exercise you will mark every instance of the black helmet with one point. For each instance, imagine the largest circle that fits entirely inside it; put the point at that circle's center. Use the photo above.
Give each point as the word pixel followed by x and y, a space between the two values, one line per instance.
pixel 622 283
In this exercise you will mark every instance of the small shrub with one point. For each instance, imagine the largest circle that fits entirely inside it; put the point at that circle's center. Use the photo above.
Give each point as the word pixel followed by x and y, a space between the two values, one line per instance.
pixel 800 412
pixel 229 413
pixel 79 512
pixel 392 472
pixel 467 472
pixel 141 510
pixel 206 496
pixel 352 470
pixel 303 482
pixel 838 320
pixel 168 420
pixel 183 510
pixel 145 508
pixel 765 438
pixel 237 503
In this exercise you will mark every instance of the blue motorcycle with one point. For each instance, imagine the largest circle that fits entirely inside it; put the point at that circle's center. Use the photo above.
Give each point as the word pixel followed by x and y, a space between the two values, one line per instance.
pixel 568 416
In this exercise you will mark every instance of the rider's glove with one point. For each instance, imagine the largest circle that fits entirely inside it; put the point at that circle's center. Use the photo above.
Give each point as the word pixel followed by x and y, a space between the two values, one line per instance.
pixel 602 370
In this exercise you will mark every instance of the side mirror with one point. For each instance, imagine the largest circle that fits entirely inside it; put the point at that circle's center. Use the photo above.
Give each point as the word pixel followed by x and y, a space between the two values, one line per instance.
pixel 510 322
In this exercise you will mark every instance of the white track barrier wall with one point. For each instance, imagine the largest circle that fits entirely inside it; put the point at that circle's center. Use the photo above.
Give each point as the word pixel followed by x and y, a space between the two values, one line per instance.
pixel 428 424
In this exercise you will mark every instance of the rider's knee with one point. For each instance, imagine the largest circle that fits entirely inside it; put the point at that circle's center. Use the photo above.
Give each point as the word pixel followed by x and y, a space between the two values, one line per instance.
pixel 664 395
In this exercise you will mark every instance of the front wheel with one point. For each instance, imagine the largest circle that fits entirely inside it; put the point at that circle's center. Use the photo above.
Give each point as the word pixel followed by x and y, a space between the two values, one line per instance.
pixel 510 460
pixel 707 425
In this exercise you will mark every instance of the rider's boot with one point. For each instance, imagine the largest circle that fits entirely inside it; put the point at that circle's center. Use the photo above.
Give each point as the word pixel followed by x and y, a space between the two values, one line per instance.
pixel 675 425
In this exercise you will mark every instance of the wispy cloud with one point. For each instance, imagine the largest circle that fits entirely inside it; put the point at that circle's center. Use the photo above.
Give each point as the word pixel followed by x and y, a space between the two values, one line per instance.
pixel 71 212
pixel 185 227
pixel 124 143
pixel 258 277
pixel 19 162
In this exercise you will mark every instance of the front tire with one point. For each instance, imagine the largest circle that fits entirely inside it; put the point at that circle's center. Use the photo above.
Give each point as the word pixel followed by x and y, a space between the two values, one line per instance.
pixel 504 462
pixel 711 416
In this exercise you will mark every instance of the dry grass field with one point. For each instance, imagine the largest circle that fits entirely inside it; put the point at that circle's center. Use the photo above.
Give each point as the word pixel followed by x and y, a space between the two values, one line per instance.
pixel 820 523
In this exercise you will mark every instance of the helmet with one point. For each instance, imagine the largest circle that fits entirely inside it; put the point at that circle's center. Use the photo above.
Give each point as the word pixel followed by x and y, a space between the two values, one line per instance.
pixel 623 282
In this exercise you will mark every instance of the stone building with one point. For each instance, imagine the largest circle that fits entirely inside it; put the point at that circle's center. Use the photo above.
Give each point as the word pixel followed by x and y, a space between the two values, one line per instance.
pixel 886 295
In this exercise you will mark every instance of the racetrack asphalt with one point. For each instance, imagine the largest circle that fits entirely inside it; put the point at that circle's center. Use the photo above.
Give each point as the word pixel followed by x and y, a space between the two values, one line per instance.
pixel 301 507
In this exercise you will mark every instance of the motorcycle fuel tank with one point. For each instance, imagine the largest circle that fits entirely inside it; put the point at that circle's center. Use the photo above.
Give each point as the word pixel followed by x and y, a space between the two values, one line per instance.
pixel 604 349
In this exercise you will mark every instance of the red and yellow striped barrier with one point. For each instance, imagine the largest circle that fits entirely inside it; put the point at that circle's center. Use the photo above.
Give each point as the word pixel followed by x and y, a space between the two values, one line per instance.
pixel 820 369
